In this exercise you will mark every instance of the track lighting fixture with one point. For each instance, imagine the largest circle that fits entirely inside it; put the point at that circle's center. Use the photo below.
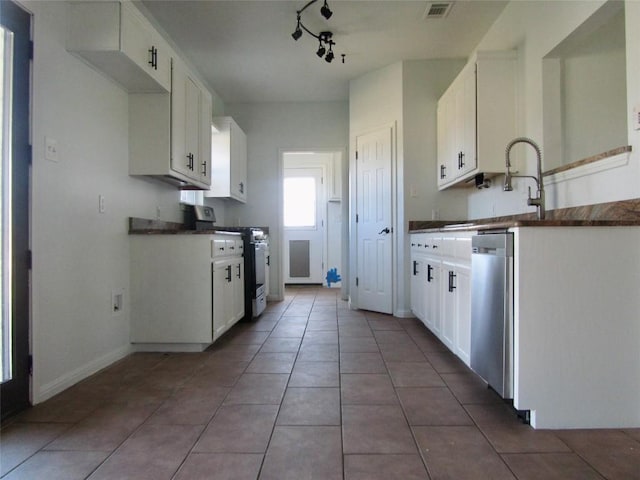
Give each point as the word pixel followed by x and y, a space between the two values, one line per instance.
pixel 325 39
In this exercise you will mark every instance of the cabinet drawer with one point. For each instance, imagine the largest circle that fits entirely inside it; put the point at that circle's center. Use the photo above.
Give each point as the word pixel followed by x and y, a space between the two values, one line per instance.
pixel 463 248
pixel 448 247
pixel 219 247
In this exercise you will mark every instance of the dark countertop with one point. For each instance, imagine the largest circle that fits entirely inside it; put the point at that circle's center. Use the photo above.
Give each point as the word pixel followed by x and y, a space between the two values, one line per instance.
pixel 143 226
pixel 622 213
pixel 503 225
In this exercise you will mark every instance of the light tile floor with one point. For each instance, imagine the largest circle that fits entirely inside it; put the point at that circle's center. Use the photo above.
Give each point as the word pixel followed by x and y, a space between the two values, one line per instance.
pixel 311 390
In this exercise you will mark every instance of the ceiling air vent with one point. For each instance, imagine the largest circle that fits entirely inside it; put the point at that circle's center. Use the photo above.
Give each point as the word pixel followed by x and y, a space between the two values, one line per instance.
pixel 437 9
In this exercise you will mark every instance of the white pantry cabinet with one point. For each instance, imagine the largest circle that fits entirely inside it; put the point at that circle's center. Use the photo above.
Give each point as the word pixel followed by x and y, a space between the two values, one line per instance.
pixel 228 160
pixel 476 119
pixel 180 299
pixel 119 41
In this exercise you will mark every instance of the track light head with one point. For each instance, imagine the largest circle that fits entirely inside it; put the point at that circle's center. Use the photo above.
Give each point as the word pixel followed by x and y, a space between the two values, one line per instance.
pixel 329 57
pixel 326 11
pixel 298 32
pixel 321 50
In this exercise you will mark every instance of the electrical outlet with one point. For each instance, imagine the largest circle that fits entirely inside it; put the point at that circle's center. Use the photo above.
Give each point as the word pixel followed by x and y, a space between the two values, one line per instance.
pixel 50 149
pixel 101 206
pixel 158 213
pixel 117 302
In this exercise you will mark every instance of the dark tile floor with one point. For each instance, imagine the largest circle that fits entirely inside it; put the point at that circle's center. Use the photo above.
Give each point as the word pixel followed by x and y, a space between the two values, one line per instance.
pixel 309 391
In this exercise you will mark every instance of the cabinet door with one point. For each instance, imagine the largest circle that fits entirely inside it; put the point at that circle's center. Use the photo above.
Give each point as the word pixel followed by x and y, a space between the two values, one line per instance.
pixel 448 306
pixel 463 313
pixel 185 123
pixel 223 304
pixel 135 37
pixel 180 162
pixel 192 126
pixel 141 43
pixel 418 286
pixel 468 159
pixel 204 164
pixel 238 288
pixel 238 163
pixel 446 139
pixel 432 295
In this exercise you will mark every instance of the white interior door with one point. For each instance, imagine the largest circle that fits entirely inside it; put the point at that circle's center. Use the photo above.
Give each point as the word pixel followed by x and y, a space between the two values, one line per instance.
pixel 304 221
pixel 374 234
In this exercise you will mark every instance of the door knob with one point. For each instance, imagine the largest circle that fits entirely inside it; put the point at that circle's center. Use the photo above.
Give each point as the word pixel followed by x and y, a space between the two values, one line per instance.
pixel 384 230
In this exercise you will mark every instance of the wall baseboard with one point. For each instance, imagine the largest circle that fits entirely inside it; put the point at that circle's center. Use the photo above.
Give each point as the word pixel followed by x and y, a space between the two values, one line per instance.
pixel 401 313
pixel 67 380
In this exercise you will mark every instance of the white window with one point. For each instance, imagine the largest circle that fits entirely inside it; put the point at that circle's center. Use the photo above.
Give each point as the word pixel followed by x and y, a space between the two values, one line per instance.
pixel 300 202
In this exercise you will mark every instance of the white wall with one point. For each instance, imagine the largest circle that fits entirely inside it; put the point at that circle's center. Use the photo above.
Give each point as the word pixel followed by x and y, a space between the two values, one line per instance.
pixel 375 101
pixel 79 255
pixel 535 28
pixel 271 128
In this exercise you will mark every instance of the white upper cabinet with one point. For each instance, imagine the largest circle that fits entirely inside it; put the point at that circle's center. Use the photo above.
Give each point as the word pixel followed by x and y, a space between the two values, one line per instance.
pixel 228 160
pixel 169 134
pixel 476 119
pixel 119 41
pixel 190 121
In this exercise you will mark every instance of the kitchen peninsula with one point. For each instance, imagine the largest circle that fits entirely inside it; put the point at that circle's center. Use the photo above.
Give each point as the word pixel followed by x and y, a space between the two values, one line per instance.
pixel 575 321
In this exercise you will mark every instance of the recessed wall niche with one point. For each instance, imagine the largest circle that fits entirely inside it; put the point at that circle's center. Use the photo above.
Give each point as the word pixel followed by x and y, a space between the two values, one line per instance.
pixel 585 90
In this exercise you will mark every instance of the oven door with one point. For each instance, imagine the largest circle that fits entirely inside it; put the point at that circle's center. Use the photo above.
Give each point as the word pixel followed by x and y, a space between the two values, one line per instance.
pixel 261 263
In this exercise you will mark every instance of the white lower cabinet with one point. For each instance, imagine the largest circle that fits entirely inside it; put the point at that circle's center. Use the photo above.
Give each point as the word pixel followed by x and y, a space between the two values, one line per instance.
pixel 228 283
pixel 441 287
pixel 185 290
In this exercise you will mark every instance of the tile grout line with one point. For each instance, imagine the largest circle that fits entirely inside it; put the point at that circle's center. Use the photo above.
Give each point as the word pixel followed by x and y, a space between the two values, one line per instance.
pixel 275 421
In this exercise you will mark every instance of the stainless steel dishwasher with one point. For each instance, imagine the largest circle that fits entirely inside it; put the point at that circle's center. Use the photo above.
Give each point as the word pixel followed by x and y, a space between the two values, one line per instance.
pixel 492 310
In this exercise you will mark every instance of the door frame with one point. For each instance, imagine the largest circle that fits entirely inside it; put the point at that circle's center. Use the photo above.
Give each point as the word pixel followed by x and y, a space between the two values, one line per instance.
pixel 397 217
pixel 278 245
pixel 17 394
pixel 321 205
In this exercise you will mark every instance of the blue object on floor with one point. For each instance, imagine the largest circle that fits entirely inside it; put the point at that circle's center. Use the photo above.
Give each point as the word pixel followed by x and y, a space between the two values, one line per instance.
pixel 332 276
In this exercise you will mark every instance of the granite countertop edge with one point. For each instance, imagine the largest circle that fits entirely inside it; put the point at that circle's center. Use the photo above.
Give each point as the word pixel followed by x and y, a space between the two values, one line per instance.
pixel 503 225
pixel 143 226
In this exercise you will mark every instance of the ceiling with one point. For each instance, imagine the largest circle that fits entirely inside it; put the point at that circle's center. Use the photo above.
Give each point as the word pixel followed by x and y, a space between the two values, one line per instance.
pixel 245 51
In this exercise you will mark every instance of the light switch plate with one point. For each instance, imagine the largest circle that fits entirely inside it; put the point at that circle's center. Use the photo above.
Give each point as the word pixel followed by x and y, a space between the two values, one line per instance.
pixel 50 149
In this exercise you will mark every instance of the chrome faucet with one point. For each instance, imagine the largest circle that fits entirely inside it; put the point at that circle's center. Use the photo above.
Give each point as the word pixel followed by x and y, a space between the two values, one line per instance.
pixel 538 200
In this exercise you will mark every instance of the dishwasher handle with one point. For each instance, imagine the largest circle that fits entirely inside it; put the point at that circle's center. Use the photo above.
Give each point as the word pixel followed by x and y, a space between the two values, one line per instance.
pixel 495 244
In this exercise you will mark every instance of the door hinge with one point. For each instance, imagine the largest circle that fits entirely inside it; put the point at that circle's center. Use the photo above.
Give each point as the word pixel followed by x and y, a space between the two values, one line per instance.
pixel 356 154
pixel 357 281
pixel 321 180
pixel 30 364
pixel 29 260
pixel 357 217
